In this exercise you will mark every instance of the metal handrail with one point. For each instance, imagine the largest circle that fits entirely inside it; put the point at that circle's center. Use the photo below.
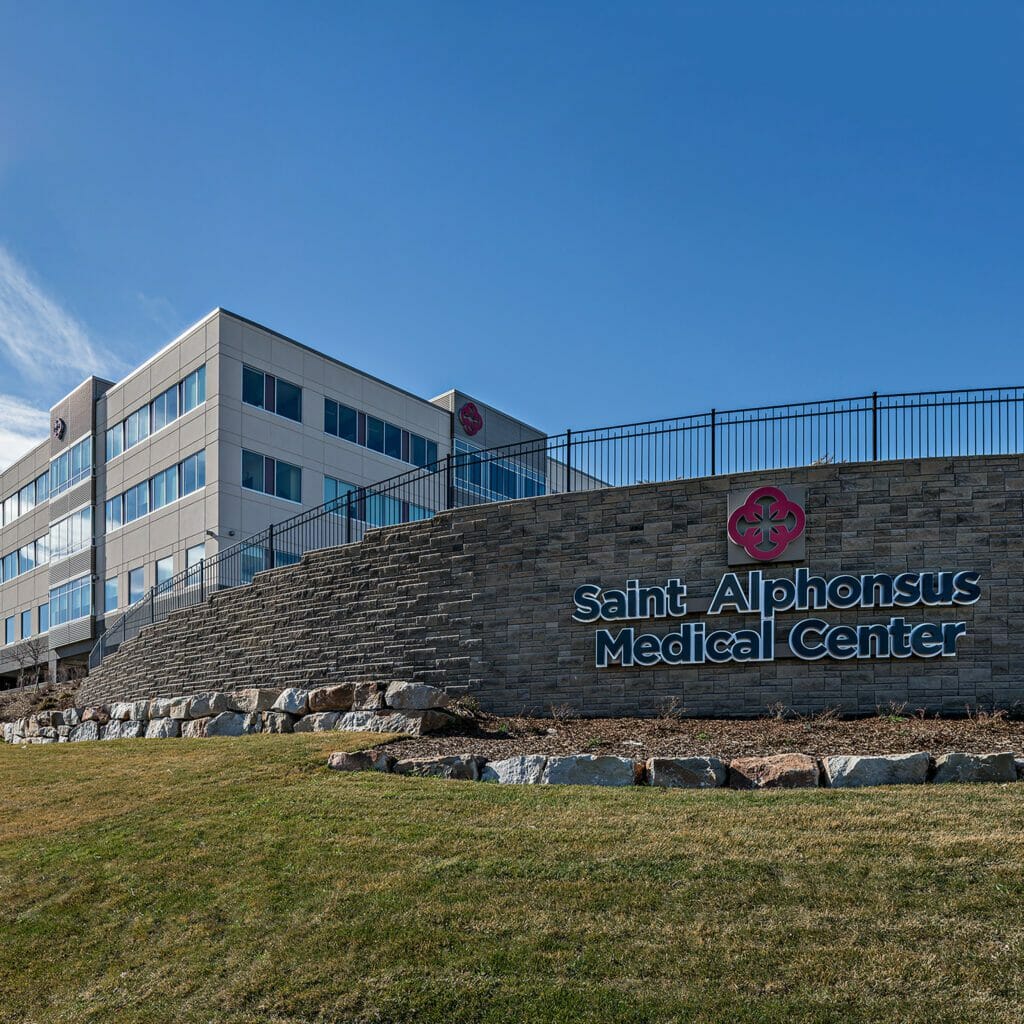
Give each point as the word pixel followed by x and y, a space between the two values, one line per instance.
pixel 920 424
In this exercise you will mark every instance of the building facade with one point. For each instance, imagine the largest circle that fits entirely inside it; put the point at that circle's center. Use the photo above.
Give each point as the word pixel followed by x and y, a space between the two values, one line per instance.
pixel 229 428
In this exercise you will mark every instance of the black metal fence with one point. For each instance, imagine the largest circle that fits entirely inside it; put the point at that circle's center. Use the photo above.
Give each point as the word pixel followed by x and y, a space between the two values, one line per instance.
pixel 870 427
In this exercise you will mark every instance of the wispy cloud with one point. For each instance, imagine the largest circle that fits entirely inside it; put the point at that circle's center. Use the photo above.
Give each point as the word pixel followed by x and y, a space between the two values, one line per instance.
pixel 22 427
pixel 40 339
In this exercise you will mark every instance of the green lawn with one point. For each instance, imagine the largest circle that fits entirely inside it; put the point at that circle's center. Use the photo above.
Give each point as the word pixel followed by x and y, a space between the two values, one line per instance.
pixel 239 880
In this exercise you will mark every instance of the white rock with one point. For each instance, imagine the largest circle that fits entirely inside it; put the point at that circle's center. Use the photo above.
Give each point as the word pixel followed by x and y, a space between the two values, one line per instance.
pixel 254 699
pixel 415 697
pixel 72 716
pixel 133 730
pixel 140 711
pixel 163 728
pixel 412 723
pixel 203 705
pixel 277 721
pixel 850 771
pixel 292 701
pixel 233 723
pixel 999 767
pixel 160 707
pixel 589 770
pixel 322 721
pixel 121 711
pixel 527 769
pixel 8 732
pixel 84 732
pixel 111 731
pixel 181 708
pixel 194 729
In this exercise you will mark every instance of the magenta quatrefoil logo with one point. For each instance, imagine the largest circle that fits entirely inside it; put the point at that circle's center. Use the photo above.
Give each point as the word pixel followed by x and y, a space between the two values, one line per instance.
pixel 471 419
pixel 766 523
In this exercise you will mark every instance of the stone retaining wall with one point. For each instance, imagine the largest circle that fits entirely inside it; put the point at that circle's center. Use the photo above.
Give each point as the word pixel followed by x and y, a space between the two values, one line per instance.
pixel 480 600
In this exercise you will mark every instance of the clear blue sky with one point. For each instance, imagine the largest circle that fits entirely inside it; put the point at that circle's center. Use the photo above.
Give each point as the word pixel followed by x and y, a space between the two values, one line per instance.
pixel 581 212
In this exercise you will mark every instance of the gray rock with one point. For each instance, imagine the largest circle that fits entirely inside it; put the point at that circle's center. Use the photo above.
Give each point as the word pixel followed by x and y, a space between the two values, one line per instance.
pixel 277 721
pixel 195 729
pixel 322 721
pixel 361 761
pixel 8 732
pixel 44 739
pixel 72 716
pixel 121 711
pixel 63 732
pixel 133 730
pixel 50 719
pixel 203 705
pixel 410 723
pixel 47 732
pixel 589 770
pixel 254 699
pixel 140 711
pixel 181 708
pixel 163 729
pixel 998 767
pixel 233 723
pixel 415 697
pixel 338 697
pixel 111 731
pixel 453 766
pixel 368 697
pixel 292 701
pixel 527 769
pixel 85 731
pixel 100 714
pixel 777 771
pixel 845 772
pixel 686 772
pixel 160 707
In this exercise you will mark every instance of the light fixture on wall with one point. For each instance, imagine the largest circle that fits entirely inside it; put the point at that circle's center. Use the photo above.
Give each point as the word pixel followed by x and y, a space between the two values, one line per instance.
pixel 220 536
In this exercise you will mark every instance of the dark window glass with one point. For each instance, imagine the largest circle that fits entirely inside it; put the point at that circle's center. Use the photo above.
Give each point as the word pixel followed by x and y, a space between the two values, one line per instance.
pixel 252 471
pixel 392 441
pixel 268 476
pixel 44 618
pixel 348 423
pixel 330 417
pixel 252 387
pixel 418 447
pixel 431 452
pixel 269 401
pixel 289 481
pixel 289 401
pixel 374 433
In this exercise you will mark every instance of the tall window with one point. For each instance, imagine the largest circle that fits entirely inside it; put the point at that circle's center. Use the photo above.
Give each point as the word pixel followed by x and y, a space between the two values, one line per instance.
pixel 377 434
pixel 26 624
pixel 71 534
pixel 71 467
pixel 136 585
pixel 43 615
pixel 195 555
pixel 164 571
pixel 265 391
pixel 271 476
pixel 110 594
pixel 9 630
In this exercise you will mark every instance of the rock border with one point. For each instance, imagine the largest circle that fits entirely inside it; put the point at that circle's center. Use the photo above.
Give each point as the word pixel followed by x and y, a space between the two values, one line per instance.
pixel 775 771
pixel 412 709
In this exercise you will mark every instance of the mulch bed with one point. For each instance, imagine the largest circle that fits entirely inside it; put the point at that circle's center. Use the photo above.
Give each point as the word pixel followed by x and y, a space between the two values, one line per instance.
pixel 497 738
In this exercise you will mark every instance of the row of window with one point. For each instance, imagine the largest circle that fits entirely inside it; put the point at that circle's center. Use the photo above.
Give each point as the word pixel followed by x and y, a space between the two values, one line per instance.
pixel 24 619
pixel 71 600
pixel 35 492
pixel 71 467
pixel 163 573
pixel 72 534
pixel 265 391
pixel 377 435
pixel 271 476
pixel 165 487
pixel 24 559
pixel 369 508
pixel 177 400
pixel 494 479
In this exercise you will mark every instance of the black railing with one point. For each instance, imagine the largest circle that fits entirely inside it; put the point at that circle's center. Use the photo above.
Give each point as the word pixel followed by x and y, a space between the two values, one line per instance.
pixel 870 427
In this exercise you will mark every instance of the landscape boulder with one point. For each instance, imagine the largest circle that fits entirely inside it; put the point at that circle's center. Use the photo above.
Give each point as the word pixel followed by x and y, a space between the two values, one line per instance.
pixel 998 767
pixel 452 766
pixel 845 772
pixel 194 729
pixel 686 772
pixel 111 731
pixel 8 732
pixel 72 716
pixel 292 701
pixel 49 719
pixel 233 723
pixel 203 705
pixel 277 722
pixel 409 723
pixel 181 708
pixel 415 697
pixel 322 721
pixel 121 711
pixel 525 770
pixel 589 770
pixel 84 731
pixel 254 699
pixel 361 761
pixel 331 698
pixel 368 697
pixel 163 729
pixel 160 707
pixel 140 711
pixel 132 730
pixel 777 771
pixel 100 714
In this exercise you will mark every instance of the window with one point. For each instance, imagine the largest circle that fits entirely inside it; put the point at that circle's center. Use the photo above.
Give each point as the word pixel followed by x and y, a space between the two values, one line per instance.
pixel 271 476
pixel 136 585
pixel 374 434
pixel 193 389
pixel 265 391
pixel 10 566
pixel 336 491
pixel 114 442
pixel 27 557
pixel 164 488
pixel 43 615
pixel 70 601
pixel 495 479
pixel 113 514
pixel 27 498
pixel 11 508
pixel 164 571
pixel 136 502
pixel 194 555
pixel 193 473
pixel 165 408
pixel 71 534
pixel 26 624
pixel 71 466
pixel 9 630
pixel 110 594
pixel 379 435
pixel 42 487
